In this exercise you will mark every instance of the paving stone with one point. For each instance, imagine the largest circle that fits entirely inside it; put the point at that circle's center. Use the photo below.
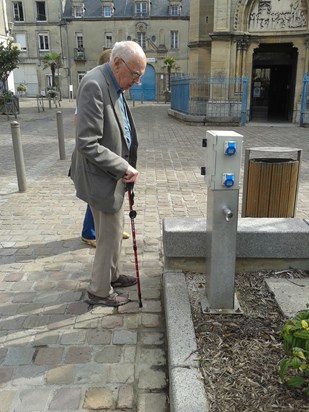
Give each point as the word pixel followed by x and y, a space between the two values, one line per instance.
pixel 65 399
pixel 109 354
pixel 121 373
pixel 61 321
pixel 78 354
pixel 46 338
pixel 5 374
pixel 19 356
pixel 152 402
pixel 132 321
pixel 30 375
pixel 111 322
pixel 125 397
pixel 30 400
pixel 35 321
pixel 150 320
pixel 7 400
pixel 3 352
pixel 152 380
pixel 73 337
pixel 128 353
pixel 131 307
pixel 13 276
pixel 98 398
pixel 152 338
pixel 92 374
pixel 99 337
pixel 77 308
pixel 55 309
pixel 152 356
pixel 48 356
pixel 61 375
pixel 152 306
pixel 124 337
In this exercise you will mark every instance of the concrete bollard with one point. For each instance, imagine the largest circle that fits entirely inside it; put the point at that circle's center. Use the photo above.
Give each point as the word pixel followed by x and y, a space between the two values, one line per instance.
pixel 19 157
pixel 60 135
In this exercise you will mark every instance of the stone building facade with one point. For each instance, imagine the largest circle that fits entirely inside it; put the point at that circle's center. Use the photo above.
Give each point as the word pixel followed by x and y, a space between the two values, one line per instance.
pixel 6 29
pixel 80 30
pixel 268 40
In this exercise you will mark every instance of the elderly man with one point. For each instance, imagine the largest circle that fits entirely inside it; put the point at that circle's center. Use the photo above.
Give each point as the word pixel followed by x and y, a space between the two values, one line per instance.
pixel 104 161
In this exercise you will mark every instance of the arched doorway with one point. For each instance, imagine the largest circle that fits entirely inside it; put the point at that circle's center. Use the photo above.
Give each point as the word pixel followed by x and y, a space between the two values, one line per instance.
pixel 146 90
pixel 273 82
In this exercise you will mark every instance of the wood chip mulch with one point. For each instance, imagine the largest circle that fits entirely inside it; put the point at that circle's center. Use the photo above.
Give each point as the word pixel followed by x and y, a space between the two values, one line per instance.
pixel 239 354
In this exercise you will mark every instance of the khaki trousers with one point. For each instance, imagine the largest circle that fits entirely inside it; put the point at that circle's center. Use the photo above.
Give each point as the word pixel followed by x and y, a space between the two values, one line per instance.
pixel 109 229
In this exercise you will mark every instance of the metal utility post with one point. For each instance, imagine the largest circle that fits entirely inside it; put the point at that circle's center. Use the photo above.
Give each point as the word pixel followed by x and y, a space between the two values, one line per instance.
pixel 60 135
pixel 19 157
pixel 223 156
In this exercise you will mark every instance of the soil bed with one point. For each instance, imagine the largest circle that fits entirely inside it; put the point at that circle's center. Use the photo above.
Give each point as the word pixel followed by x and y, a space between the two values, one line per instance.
pixel 239 354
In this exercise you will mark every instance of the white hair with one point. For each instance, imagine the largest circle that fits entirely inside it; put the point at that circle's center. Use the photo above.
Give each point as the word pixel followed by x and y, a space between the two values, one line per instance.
pixel 126 50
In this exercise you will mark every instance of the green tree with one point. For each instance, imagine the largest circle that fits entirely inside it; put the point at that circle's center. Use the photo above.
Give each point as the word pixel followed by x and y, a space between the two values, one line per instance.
pixel 52 60
pixel 8 60
pixel 170 64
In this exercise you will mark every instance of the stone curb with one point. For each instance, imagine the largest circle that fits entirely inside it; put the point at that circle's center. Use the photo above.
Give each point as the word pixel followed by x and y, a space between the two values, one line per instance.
pixel 186 387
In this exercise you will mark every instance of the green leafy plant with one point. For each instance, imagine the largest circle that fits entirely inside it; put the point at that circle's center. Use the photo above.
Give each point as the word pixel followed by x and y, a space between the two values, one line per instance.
pixel 6 95
pixel 52 93
pixel 9 58
pixel 294 368
pixel 21 87
pixel 53 61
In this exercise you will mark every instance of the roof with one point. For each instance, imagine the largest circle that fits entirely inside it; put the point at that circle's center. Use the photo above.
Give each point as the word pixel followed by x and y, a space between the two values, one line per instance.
pixel 124 8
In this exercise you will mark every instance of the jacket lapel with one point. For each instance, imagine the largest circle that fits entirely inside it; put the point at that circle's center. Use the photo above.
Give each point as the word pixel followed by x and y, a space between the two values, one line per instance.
pixel 114 97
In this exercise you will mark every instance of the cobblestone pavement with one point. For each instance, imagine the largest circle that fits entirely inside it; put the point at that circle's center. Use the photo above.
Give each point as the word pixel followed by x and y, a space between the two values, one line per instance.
pixel 56 353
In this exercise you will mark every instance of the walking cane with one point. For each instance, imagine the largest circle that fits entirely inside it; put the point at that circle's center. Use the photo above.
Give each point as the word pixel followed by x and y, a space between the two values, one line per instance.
pixel 132 215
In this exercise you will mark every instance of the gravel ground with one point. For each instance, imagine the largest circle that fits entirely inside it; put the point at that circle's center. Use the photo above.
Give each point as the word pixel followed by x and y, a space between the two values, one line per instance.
pixel 240 354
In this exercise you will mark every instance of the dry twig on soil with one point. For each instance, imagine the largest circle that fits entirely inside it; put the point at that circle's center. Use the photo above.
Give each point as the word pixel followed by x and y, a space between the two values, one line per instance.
pixel 239 354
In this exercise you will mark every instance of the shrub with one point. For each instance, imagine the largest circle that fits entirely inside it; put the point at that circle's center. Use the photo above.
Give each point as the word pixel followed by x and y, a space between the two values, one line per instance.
pixel 294 368
pixel 21 87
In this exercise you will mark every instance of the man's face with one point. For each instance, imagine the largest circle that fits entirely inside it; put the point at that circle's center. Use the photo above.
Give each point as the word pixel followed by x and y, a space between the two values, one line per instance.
pixel 129 72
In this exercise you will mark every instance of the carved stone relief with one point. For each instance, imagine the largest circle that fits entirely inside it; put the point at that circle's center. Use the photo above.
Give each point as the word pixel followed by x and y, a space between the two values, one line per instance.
pixel 271 15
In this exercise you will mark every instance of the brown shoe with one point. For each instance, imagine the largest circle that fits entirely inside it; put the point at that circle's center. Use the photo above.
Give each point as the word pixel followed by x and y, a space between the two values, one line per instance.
pixel 115 299
pixel 91 242
pixel 125 235
pixel 124 281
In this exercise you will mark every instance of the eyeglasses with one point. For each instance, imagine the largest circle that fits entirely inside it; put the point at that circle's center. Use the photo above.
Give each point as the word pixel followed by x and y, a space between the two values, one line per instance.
pixel 135 75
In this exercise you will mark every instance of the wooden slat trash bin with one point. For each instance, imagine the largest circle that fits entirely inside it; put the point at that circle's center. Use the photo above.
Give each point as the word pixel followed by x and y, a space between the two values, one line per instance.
pixel 271 182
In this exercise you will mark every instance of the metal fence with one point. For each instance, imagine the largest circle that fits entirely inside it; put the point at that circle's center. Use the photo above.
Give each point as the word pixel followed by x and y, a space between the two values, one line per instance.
pixel 304 102
pixel 216 98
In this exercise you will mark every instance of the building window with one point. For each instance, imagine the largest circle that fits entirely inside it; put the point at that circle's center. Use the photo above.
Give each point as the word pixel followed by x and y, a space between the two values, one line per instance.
pixel 80 75
pixel 20 38
pixel 49 81
pixel 107 11
pixel 141 39
pixel 40 11
pixel 79 40
pixel 78 11
pixel 18 11
pixel 141 9
pixel 174 39
pixel 108 40
pixel 174 10
pixel 43 42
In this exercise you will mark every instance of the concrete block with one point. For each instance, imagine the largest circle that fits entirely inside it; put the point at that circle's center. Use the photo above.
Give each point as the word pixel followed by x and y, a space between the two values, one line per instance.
pixel 187 391
pixel 291 296
pixel 183 349
pixel 279 238
pixel 186 387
